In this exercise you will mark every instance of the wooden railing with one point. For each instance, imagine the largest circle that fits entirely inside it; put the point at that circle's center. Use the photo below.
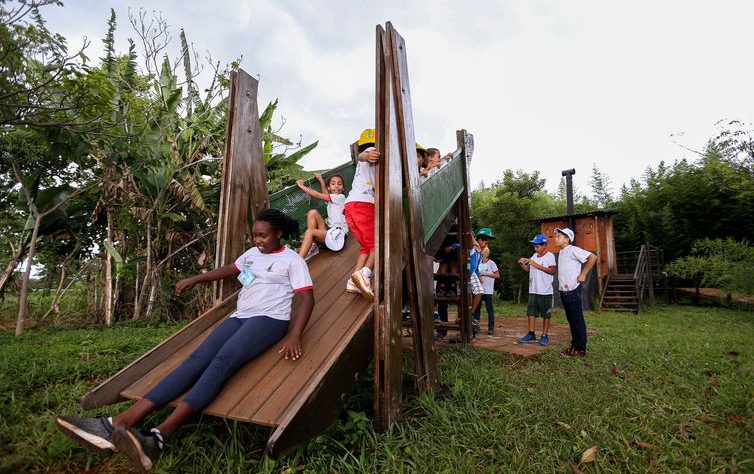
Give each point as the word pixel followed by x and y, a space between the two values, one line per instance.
pixel 643 276
pixel 627 261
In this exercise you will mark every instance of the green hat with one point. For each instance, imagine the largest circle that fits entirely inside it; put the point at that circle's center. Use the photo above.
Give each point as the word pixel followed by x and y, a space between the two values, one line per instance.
pixel 486 232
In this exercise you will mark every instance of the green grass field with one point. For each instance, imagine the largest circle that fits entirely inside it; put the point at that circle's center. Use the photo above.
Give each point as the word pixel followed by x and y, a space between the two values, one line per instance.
pixel 671 390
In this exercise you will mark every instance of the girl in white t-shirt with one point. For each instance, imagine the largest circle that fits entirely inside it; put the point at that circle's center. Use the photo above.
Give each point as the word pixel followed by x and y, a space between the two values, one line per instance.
pixel 271 274
pixel 317 231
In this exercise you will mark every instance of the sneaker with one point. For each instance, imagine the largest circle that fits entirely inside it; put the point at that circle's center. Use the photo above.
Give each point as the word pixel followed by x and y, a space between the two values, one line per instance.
pixel 313 250
pixel 141 449
pixel 475 324
pixel 490 332
pixel 437 316
pixel 363 285
pixel 529 337
pixel 544 340
pixel 571 352
pixel 351 288
pixel 94 434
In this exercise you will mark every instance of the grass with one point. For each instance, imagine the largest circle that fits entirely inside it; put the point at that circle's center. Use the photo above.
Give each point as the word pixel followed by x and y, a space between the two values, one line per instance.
pixel 670 390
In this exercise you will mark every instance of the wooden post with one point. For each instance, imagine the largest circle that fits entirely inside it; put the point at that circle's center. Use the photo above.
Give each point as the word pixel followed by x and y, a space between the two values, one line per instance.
pixel 244 179
pixel 419 268
pixel 388 357
pixel 466 141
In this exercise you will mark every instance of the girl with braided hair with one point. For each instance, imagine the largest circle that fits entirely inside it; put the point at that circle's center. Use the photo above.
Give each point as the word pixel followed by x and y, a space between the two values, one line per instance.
pixel 271 274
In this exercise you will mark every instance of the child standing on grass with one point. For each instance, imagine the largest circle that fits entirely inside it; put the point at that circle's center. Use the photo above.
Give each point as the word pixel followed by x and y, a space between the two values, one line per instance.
pixel 541 268
pixel 359 212
pixel 481 242
pixel 488 271
pixel 316 229
pixel 271 274
pixel 571 275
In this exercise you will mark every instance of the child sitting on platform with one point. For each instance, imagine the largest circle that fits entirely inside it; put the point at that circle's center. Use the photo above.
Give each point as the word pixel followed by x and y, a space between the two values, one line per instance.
pixel 316 229
pixel 271 274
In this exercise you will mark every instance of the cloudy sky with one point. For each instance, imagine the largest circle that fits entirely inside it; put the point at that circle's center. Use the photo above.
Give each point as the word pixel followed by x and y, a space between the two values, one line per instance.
pixel 542 85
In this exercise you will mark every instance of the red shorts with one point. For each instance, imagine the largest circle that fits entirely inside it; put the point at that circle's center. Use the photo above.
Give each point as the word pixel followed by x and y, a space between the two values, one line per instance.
pixel 360 218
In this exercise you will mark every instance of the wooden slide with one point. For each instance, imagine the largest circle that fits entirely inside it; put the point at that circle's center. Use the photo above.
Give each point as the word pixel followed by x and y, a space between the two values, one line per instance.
pixel 297 398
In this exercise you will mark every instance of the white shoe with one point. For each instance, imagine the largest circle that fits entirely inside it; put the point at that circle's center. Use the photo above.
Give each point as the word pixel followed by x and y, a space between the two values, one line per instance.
pixel 363 285
pixel 351 288
pixel 313 250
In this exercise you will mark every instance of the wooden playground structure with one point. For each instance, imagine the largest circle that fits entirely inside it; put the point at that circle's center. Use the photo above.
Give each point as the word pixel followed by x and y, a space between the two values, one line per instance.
pixel 345 333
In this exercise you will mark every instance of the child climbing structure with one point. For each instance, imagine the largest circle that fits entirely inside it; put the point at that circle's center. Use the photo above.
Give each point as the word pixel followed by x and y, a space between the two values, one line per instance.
pixel 301 398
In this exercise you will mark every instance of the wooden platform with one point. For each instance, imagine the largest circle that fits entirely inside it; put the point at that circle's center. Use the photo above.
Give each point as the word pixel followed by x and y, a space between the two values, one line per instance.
pixel 271 391
pixel 507 332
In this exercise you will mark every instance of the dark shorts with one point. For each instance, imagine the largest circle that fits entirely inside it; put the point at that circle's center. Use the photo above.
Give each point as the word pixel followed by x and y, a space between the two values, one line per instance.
pixel 539 306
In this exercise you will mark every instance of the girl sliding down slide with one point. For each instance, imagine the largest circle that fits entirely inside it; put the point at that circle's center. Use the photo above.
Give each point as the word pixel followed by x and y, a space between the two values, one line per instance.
pixel 270 274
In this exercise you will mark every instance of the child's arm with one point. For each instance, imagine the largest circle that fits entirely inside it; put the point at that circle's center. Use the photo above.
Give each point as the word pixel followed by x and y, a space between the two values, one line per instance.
pixel 371 155
pixel 587 267
pixel 315 194
pixel 292 346
pixel 549 271
pixel 523 262
pixel 216 274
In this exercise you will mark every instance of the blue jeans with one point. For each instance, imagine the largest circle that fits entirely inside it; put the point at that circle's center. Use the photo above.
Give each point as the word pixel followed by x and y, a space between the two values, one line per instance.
pixel 233 343
pixel 487 299
pixel 574 313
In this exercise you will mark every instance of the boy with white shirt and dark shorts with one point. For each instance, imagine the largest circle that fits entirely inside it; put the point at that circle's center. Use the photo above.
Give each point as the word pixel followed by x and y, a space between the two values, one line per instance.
pixel 571 274
pixel 541 268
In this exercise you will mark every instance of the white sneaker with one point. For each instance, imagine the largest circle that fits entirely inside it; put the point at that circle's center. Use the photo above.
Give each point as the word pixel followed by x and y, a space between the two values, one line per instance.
pixel 351 288
pixel 363 285
pixel 313 250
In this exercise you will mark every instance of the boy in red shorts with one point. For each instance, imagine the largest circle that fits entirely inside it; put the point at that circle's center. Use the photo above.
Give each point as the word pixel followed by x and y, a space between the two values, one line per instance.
pixel 359 212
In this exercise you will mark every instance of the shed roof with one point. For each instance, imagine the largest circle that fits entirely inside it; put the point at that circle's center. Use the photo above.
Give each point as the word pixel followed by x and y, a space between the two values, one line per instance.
pixel 598 212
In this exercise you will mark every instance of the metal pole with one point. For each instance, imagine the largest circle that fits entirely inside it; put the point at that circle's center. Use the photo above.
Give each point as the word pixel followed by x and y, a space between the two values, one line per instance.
pixel 569 195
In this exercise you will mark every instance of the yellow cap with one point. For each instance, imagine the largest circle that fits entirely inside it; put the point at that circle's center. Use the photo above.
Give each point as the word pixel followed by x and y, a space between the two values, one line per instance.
pixel 420 148
pixel 367 136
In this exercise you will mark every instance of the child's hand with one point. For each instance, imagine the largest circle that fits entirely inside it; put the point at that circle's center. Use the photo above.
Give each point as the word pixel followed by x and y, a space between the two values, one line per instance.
pixel 184 285
pixel 581 278
pixel 372 156
pixel 300 183
pixel 448 157
pixel 318 176
pixel 523 261
pixel 291 348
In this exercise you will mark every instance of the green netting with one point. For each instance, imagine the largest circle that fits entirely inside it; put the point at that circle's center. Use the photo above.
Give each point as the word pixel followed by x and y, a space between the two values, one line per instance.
pixel 439 194
pixel 295 203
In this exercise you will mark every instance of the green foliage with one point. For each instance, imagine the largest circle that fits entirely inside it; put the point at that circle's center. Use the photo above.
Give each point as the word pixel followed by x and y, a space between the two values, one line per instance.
pixel 719 263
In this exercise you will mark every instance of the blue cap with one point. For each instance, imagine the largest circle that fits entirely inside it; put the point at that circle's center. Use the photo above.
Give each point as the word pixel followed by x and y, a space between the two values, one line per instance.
pixel 539 239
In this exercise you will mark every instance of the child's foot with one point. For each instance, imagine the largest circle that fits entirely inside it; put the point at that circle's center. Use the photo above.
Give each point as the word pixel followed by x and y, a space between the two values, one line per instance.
pixel 437 316
pixel 362 283
pixel 544 340
pixel 141 450
pixel 351 288
pixel 313 250
pixel 490 332
pixel 94 434
pixel 529 337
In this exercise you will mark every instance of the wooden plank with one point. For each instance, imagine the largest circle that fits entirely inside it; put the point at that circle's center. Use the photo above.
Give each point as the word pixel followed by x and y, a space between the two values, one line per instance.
pixel 419 268
pixel 245 180
pixel 109 391
pixel 320 405
pixel 389 247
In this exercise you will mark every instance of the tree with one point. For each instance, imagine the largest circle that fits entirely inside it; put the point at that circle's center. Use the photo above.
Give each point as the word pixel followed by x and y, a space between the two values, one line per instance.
pixel 726 264
pixel 601 188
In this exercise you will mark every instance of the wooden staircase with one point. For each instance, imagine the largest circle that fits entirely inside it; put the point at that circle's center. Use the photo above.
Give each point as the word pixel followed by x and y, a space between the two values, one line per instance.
pixel 620 294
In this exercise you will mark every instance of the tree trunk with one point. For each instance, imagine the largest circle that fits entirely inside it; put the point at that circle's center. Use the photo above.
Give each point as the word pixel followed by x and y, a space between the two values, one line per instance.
pixel 23 304
pixel 13 264
pixel 145 286
pixel 107 292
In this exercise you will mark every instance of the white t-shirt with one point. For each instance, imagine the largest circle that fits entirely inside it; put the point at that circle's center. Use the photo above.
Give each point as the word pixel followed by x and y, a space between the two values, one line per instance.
pixel 335 211
pixel 570 260
pixel 362 188
pixel 278 275
pixel 488 283
pixel 540 283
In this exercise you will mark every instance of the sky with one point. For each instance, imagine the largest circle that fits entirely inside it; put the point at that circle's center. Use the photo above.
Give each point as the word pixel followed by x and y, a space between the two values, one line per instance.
pixel 542 85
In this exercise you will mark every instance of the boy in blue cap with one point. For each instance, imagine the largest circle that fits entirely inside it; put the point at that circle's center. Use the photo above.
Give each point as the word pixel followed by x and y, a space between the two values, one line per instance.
pixel 541 268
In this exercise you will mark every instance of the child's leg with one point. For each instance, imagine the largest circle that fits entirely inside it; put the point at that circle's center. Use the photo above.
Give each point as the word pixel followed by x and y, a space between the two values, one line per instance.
pixel 547 317
pixel 315 221
pixel 254 336
pixel 310 236
pixel 490 312
pixel 575 315
pixel 361 261
pixel 181 378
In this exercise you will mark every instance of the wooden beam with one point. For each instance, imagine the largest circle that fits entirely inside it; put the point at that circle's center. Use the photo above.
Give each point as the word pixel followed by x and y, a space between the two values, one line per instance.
pixel 244 179
pixel 465 141
pixel 419 268
pixel 388 356
pixel 108 392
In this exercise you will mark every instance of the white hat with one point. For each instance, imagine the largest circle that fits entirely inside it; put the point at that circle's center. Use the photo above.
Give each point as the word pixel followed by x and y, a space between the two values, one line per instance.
pixel 567 232
pixel 335 239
